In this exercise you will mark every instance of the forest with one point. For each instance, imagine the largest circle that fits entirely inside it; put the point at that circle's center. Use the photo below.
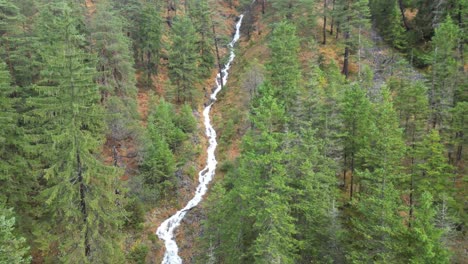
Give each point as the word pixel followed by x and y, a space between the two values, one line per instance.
pixel 340 135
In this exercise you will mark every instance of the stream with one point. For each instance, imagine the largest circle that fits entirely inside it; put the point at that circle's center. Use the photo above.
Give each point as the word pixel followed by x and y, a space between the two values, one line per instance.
pixel 166 230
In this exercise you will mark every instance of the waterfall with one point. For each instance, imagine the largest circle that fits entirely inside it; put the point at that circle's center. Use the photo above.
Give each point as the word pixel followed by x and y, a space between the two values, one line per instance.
pixel 166 230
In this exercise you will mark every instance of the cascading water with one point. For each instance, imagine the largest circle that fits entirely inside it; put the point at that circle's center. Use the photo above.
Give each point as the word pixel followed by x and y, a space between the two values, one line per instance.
pixel 166 230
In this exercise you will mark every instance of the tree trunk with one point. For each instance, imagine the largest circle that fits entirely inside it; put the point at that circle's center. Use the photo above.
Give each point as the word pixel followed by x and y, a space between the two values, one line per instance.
pixel 84 210
pixel 402 10
pixel 352 177
pixel 345 70
pixel 332 19
pixel 344 171
pixel 324 22
pixel 337 30
pixel 220 68
pixel 263 6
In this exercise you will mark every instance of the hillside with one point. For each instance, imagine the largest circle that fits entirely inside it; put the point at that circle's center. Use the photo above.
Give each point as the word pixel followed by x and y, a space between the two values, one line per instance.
pixel 233 131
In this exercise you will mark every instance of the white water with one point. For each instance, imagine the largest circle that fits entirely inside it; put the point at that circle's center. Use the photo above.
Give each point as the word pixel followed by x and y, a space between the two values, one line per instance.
pixel 166 229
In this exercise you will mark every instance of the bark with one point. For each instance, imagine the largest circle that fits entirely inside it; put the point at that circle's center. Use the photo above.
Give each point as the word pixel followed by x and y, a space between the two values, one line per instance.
pixel 345 70
pixel 332 19
pixel 337 30
pixel 352 177
pixel 220 68
pixel 402 10
pixel 325 22
pixel 83 205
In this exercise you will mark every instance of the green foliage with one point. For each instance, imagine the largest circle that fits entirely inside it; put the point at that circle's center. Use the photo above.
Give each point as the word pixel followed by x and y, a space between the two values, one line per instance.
pixel 435 173
pixel 201 17
pixel 184 58
pixel 13 248
pixel 357 128
pixel 444 71
pixel 138 254
pixel 377 228
pixel 425 237
pixel 149 43
pixel 80 191
pixel 136 214
pixel 185 120
pixel 115 60
pixel 389 20
pixel 283 66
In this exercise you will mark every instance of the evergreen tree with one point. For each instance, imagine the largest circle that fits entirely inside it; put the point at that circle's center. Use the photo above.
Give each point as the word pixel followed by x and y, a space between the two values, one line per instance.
pixel 81 197
pixel 16 180
pixel 357 121
pixel 116 74
pixel 387 147
pixel 159 163
pixel 444 71
pixel 184 58
pixel 201 17
pixel 434 172
pixel 149 38
pixel 354 16
pixel 13 248
pixel 283 66
pixel 378 221
pixel 19 47
pixel 425 238
pixel 115 60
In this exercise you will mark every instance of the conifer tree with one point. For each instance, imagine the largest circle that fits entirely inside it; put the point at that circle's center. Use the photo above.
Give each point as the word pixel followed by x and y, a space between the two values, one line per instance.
pixel 81 198
pixel 377 228
pixel 354 16
pixel 159 163
pixel 378 221
pixel 16 180
pixel 444 71
pixel 116 74
pixel 19 46
pixel 284 64
pixel 201 17
pixel 425 244
pixel 13 247
pixel 184 58
pixel 149 38
pixel 387 147
pixel 115 60
pixel 357 120
pixel 434 171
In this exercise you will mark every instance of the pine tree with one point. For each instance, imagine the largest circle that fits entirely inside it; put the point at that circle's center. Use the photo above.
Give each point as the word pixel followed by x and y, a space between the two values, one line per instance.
pixel 387 147
pixel 396 30
pixel 19 46
pixel 7 119
pixel 149 38
pixel 444 71
pixel 115 60
pixel 159 163
pixel 184 58
pixel 283 66
pixel 434 172
pixel 313 183
pixel 16 180
pixel 358 126
pixel 116 74
pixel 377 228
pixel 201 17
pixel 82 203
pixel 354 16
pixel 378 221
pixel 13 247
pixel 425 238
